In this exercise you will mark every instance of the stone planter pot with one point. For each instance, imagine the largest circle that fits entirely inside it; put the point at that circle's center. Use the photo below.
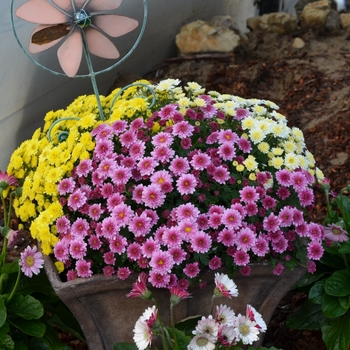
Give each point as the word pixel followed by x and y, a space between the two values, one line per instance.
pixel 106 316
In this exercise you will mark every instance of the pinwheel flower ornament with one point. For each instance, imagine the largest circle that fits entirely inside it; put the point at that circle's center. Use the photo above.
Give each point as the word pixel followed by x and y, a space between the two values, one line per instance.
pixel 80 24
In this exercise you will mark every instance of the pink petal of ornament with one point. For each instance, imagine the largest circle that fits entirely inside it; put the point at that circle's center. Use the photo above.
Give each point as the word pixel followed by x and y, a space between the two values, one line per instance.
pixel 34 47
pixel 100 45
pixel 103 5
pixel 115 25
pixel 70 53
pixel 65 5
pixel 41 12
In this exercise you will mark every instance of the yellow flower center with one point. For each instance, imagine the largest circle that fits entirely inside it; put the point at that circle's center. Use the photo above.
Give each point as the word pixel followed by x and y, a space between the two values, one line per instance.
pixel 29 261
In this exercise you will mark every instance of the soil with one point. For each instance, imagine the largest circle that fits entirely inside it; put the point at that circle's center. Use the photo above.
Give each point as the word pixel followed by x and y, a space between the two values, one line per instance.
pixel 311 86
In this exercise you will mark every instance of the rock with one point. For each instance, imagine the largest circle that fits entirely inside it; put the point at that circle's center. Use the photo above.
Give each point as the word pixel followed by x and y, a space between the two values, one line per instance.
pixel 333 24
pixel 314 14
pixel 277 22
pixel 281 23
pixel 298 43
pixel 340 159
pixel 258 22
pixel 201 36
pixel 345 20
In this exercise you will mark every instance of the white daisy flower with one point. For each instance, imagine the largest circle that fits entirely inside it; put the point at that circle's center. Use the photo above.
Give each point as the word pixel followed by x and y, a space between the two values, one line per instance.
pixel 246 330
pixel 224 286
pixel 254 315
pixel 202 342
pixel 224 315
pixel 207 326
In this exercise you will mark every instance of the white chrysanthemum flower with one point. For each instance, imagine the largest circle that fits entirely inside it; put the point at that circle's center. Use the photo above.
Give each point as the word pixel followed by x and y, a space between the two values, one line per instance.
pixel 259 110
pixel 224 315
pixel 271 104
pixel 256 134
pixel 291 161
pixel 208 326
pixel 303 163
pixel 202 342
pixel 278 116
pixel 319 174
pixel 184 102
pixel 289 146
pixel 264 147
pixel 250 163
pixel 277 162
pixel 225 286
pixel 269 183
pixel 200 102
pixel 310 158
pixel 167 84
pixel 248 123
pixel 246 330
pixel 298 134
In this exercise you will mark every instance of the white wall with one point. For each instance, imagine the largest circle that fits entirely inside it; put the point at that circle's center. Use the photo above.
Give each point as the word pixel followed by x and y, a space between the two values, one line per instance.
pixel 27 92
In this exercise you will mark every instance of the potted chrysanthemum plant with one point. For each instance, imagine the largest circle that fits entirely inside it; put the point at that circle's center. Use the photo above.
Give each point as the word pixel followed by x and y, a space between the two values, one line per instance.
pixel 174 182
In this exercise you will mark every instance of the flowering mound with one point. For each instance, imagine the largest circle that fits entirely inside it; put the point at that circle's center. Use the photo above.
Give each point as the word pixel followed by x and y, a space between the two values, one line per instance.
pixel 196 180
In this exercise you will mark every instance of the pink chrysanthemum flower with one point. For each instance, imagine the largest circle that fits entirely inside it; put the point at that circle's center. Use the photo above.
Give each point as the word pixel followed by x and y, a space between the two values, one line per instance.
pixel 215 263
pixel 241 258
pixel 110 227
pixel 77 199
pixel 268 202
pixel 127 138
pixel 106 168
pixel 94 242
pixel 315 231
pixel 61 251
pixel 183 129
pixel 161 262
pixel 283 193
pixel 192 269
pixel 336 233
pixel 122 214
pixel 226 237
pixel 286 216
pixel 77 249
pixel 221 174
pixel 178 254
pixel 251 209
pixel 118 244
pixel 201 242
pixel 172 237
pixel 261 247
pixel 245 239
pixel 137 150
pixel 137 194
pixel 215 220
pixel 83 268
pixel 123 273
pixel 146 166
pixel 224 286
pixel 120 175
pixel 203 222
pixel 212 138
pixel 66 186
pixel 164 139
pixel 244 145
pixel 186 184
pixel 187 228
pixel 84 167
pixel 62 224
pixel 232 218
pixel 128 162
pixel 134 251
pixel 140 225
pixel 283 177
pixel 80 227
pixel 227 136
pixel 108 271
pixel 187 211
pixel 119 126
pixel 271 223
pixel 227 151
pixel 280 245
pixel 315 250
pixel 159 280
pixel 95 211
pixel 167 112
pixel 249 194
pixel 109 258
pixel 200 161
pixel 149 247
pixel 159 177
pixel 241 113
pixel 179 166
pixel 152 196
pixel 298 180
pixel 279 268
pixel 103 149
pixel 306 197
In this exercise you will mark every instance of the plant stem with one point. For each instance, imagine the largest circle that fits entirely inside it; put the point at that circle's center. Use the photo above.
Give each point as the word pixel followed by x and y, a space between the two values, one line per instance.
pixel 15 286
pixel 172 321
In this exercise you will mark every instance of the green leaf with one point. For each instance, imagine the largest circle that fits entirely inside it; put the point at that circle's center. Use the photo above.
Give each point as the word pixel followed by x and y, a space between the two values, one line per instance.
pixel 331 306
pixel 345 302
pixel 33 328
pixel 20 346
pixel 125 346
pixel 188 324
pixel 308 279
pixel 25 306
pixel 308 317
pixel 344 248
pixel 338 284
pixel 316 292
pixel 3 312
pixel 39 344
pixel 336 333
pixel 182 339
pixel 333 260
pixel 4 329
pixel 10 267
pixel 7 343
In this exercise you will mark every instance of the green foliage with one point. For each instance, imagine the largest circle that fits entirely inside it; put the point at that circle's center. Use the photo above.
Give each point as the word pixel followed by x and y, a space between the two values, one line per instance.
pixel 328 307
